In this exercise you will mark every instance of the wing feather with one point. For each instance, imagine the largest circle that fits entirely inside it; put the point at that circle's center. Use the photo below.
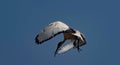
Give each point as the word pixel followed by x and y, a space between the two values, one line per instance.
pixel 50 31
pixel 66 47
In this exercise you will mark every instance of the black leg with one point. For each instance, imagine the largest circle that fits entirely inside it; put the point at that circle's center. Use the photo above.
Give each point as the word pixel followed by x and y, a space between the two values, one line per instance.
pixel 75 43
pixel 78 41
pixel 78 45
pixel 58 46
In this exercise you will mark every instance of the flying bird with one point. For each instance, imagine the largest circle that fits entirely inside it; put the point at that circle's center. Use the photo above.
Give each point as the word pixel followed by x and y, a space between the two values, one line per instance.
pixel 55 28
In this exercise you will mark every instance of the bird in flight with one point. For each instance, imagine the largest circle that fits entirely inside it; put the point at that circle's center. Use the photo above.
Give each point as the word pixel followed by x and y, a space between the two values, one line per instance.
pixel 55 28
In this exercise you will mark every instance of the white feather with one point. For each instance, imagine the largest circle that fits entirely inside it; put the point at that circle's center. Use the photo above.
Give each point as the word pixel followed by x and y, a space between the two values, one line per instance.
pixel 66 48
pixel 51 30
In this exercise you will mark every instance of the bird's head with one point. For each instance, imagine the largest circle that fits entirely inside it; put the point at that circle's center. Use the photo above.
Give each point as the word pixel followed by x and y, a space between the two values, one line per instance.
pixel 79 36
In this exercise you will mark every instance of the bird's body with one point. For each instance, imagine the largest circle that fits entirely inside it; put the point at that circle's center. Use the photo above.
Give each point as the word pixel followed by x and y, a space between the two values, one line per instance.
pixel 68 36
pixel 55 28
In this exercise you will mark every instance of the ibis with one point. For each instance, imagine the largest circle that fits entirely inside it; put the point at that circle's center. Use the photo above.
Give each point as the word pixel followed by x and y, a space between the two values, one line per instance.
pixel 58 27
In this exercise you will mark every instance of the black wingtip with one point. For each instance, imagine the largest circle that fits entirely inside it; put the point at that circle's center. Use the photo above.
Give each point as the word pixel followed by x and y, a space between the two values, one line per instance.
pixel 36 40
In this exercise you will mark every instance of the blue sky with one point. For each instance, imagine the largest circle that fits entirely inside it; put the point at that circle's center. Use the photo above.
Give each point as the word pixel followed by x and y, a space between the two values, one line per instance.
pixel 22 20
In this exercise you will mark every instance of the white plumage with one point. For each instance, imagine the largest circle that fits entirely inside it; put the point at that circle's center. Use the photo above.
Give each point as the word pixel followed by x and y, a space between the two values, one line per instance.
pixel 66 47
pixel 51 30
pixel 55 28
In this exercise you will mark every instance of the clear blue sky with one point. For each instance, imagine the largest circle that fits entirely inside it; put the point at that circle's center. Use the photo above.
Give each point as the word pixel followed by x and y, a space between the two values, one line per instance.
pixel 21 21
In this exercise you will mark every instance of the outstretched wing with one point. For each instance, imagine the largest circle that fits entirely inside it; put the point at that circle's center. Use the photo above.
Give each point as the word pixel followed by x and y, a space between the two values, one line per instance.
pixel 66 47
pixel 50 31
